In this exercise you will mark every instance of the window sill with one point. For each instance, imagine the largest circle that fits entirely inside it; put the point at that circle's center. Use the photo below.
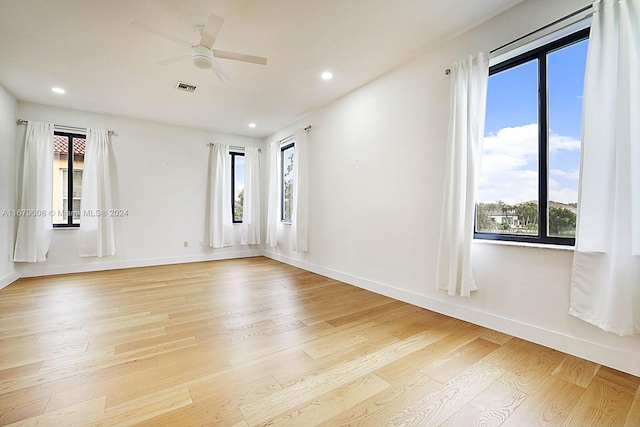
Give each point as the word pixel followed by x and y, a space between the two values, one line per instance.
pixel 524 244
pixel 66 228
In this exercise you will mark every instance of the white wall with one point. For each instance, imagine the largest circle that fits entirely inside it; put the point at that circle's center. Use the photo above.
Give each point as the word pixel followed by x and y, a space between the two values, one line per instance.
pixel 376 176
pixel 161 180
pixel 8 108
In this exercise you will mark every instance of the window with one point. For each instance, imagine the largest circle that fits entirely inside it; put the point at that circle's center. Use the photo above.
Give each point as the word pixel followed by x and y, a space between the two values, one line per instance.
pixel 68 155
pixel 237 186
pixel 287 152
pixel 528 189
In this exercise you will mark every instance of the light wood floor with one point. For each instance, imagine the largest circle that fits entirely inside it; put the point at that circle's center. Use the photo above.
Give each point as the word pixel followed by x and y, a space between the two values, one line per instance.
pixel 257 342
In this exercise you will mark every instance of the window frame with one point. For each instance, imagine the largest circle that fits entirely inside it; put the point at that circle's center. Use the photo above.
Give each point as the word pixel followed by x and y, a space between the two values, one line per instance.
pixel 284 147
pixel 233 155
pixel 70 178
pixel 540 54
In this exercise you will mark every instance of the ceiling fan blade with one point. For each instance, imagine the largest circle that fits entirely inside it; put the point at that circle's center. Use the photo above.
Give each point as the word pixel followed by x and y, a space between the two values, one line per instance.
pixel 157 32
pixel 174 59
pixel 239 57
pixel 215 66
pixel 211 30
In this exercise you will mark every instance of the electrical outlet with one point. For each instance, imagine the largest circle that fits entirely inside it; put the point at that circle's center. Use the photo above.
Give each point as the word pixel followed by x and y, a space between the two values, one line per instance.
pixel 186 243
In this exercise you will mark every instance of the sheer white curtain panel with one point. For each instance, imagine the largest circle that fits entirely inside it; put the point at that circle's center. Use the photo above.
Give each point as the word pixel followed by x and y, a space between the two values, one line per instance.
pixel 97 231
pixel 300 213
pixel 250 231
pixel 605 282
pixel 219 202
pixel 273 207
pixel 464 151
pixel 34 226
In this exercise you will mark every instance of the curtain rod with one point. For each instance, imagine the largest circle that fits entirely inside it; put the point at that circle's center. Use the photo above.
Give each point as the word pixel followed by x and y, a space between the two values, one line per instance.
pixel 237 147
pixel 75 128
pixel 556 22
pixel 307 129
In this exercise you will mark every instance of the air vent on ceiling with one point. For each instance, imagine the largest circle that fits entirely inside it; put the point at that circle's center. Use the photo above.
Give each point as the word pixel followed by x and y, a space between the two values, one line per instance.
pixel 186 87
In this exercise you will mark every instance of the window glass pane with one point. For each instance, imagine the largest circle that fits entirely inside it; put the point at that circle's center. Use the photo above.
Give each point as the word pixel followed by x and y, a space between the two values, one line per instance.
pixel 565 79
pixel 59 189
pixel 508 188
pixel 78 166
pixel 61 176
pixel 238 188
pixel 287 183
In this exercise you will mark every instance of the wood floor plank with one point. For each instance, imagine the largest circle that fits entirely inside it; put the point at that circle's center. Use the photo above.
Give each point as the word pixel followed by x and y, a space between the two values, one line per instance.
pixel 226 393
pixel 332 343
pixel 633 418
pixel 382 406
pixel 576 371
pixel 322 382
pixel 448 366
pixel 601 405
pixel 533 369
pixel 20 370
pixel 25 407
pixel 171 372
pixel 90 412
pixel 253 341
pixel 439 405
pixel 448 339
pixel 322 407
pixel 496 337
pixel 617 380
pixel 147 407
pixel 549 405
pixel 492 407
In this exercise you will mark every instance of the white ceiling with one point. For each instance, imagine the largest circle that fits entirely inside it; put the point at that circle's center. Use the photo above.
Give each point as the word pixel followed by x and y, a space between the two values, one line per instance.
pixel 109 66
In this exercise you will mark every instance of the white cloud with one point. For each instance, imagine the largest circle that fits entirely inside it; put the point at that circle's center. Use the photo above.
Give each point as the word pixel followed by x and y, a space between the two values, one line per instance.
pixel 559 142
pixel 509 167
pixel 571 174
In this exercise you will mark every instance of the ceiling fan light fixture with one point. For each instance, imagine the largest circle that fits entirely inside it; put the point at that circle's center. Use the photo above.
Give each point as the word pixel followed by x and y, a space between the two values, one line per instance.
pixel 202 57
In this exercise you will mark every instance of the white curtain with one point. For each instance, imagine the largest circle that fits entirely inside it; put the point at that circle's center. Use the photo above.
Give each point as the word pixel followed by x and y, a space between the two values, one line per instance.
pixel 97 234
pixel 219 203
pixel 299 213
pixel 250 231
pixel 35 222
pixel 273 207
pixel 605 283
pixel 464 151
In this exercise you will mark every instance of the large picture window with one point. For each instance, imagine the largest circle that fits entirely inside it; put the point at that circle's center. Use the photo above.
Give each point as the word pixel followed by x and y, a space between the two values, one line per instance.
pixel 528 189
pixel 68 161
pixel 287 152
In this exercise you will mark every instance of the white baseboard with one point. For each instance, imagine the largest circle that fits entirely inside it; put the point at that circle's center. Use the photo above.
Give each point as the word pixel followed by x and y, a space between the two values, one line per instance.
pixel 593 351
pixel 9 279
pixel 146 262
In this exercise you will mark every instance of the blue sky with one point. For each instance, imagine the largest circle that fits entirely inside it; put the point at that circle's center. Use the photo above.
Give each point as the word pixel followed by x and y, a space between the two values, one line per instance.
pixel 239 169
pixel 509 169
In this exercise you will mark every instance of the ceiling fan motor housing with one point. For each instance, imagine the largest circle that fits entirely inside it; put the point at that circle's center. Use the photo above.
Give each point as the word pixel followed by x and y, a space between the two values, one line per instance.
pixel 202 56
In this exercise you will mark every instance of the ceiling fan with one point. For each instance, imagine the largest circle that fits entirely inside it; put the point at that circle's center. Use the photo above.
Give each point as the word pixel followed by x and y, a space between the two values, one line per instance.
pixel 202 54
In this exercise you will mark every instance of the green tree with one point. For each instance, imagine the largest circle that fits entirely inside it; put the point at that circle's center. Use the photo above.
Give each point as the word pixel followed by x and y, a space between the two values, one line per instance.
pixel 527 213
pixel 483 220
pixel 288 188
pixel 238 208
pixel 562 222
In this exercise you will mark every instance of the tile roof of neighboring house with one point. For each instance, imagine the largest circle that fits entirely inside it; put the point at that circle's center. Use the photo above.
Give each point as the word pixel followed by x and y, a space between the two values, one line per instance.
pixel 61 145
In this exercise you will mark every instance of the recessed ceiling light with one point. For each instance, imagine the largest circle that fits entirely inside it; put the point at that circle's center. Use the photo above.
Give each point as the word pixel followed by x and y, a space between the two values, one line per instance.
pixel 252 125
pixel 327 75
pixel 58 90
